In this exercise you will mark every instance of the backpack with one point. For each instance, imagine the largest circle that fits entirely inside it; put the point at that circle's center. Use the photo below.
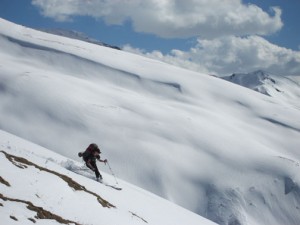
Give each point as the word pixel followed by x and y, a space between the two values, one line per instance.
pixel 88 153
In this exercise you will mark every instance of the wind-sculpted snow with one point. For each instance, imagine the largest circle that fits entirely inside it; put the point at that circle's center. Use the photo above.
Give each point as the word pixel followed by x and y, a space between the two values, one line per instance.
pixel 206 144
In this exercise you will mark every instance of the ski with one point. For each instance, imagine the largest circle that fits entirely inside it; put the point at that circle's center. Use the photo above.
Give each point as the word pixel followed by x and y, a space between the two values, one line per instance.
pixel 86 172
pixel 109 185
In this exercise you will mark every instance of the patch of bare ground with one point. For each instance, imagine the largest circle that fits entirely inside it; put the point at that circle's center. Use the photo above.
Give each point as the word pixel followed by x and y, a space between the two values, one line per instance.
pixel 40 212
pixel 23 163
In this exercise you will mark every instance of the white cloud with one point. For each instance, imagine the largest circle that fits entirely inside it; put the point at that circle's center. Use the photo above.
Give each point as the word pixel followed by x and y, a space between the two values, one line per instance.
pixel 171 18
pixel 176 57
pixel 230 54
pixel 226 29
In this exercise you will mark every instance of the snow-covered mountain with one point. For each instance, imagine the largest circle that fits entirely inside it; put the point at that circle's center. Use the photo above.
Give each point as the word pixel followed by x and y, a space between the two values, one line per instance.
pixel 218 149
pixel 284 88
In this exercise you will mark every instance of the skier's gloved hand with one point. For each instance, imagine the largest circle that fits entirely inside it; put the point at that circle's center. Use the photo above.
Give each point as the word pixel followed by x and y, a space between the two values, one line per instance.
pixel 105 161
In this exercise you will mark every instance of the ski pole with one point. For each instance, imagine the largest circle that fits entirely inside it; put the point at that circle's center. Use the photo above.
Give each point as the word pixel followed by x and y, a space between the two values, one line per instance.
pixel 112 172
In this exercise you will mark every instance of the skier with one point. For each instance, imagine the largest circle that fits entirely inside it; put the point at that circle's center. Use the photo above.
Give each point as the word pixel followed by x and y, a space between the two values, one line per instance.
pixel 90 155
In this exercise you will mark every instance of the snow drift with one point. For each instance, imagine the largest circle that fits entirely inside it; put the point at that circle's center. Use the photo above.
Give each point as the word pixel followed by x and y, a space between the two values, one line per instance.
pixel 220 150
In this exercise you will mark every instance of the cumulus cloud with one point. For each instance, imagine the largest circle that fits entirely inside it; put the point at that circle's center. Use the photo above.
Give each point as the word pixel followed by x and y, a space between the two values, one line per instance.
pixel 228 31
pixel 172 18
pixel 223 56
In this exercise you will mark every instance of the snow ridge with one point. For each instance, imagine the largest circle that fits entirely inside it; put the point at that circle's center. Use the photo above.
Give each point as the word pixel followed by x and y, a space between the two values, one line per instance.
pixel 79 36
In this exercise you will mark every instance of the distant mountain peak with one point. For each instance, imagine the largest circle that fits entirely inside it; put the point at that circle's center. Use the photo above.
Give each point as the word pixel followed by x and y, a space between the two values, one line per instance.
pixel 286 88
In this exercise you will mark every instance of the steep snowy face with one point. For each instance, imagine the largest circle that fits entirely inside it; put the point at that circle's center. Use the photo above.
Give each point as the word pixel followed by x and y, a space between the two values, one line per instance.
pixel 41 187
pixel 218 149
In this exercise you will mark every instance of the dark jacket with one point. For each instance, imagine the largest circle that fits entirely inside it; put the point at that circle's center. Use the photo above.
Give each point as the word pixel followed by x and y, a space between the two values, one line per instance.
pixel 88 154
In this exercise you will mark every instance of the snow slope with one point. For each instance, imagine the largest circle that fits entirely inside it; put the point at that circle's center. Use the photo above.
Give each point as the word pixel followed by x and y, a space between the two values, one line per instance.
pixel 213 147
pixel 36 177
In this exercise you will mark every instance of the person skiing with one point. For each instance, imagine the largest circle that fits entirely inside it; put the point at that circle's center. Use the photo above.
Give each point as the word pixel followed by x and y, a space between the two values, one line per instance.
pixel 90 155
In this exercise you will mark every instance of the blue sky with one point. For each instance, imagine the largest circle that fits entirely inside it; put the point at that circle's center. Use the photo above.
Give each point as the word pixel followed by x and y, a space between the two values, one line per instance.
pixel 289 35
pixel 24 13
pixel 179 32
